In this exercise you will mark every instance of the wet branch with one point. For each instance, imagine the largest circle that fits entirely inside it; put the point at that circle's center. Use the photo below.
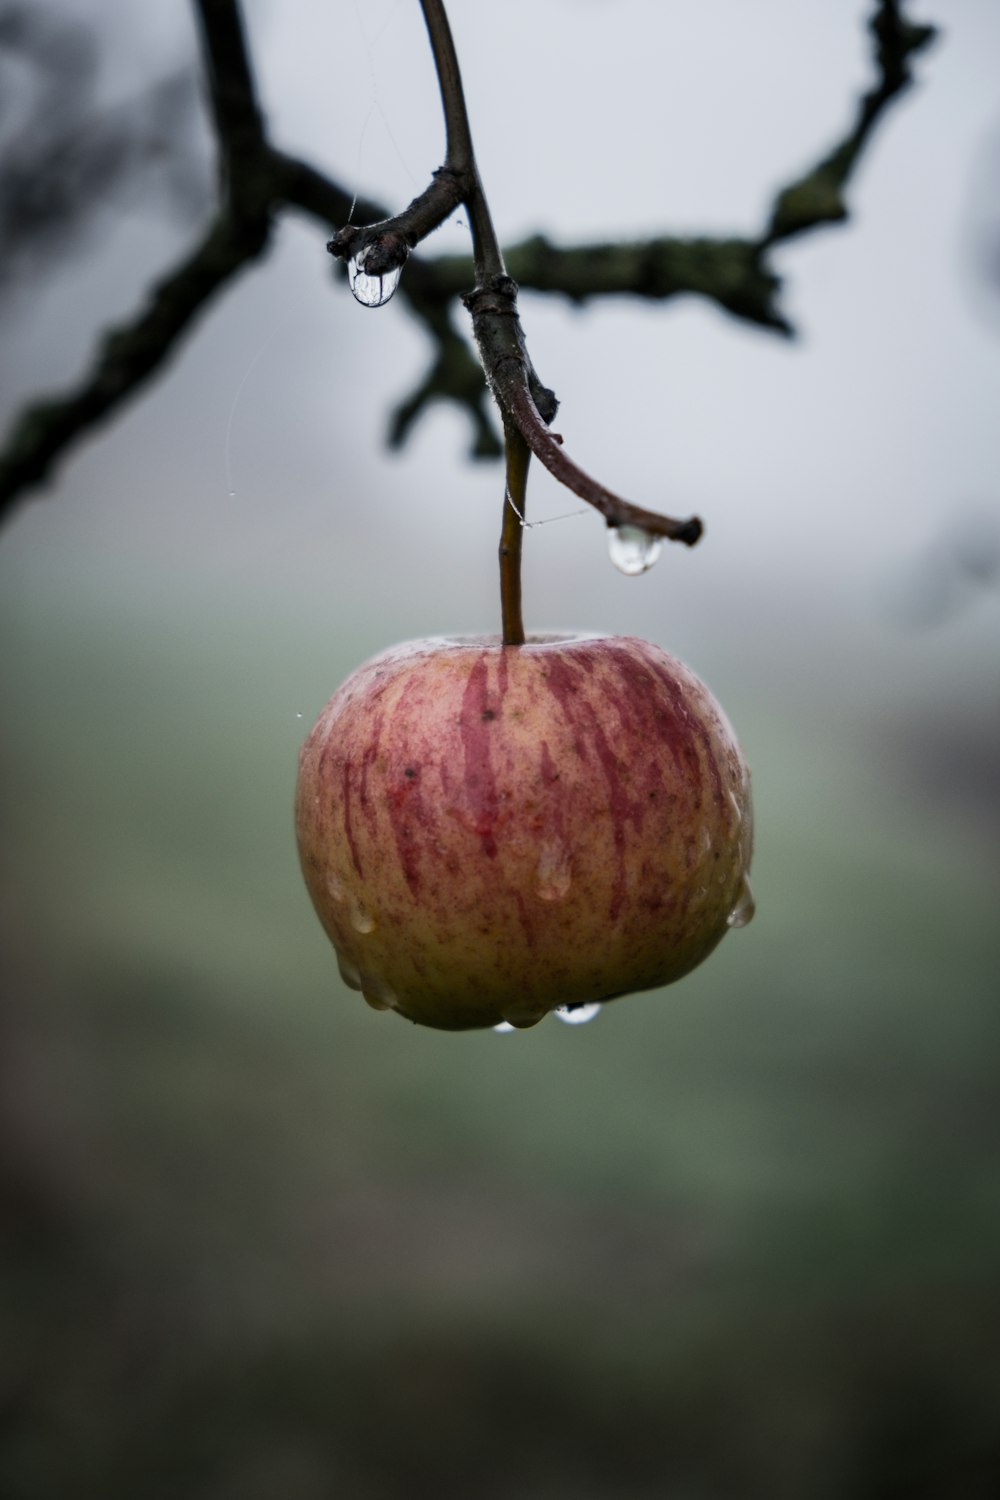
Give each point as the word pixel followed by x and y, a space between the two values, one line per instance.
pixel 257 181
pixel 734 273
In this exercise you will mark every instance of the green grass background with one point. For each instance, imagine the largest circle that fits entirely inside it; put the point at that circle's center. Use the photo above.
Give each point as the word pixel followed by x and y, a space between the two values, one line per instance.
pixel 737 1238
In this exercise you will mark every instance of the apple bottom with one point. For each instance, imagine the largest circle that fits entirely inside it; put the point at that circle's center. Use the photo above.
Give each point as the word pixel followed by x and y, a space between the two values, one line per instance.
pixel 488 833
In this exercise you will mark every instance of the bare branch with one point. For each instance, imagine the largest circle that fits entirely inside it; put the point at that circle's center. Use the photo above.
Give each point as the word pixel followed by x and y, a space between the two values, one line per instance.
pixel 69 155
pixel 733 273
pixel 239 124
pixel 729 272
pixel 258 180
pixel 818 197
pixel 531 406
pixel 386 245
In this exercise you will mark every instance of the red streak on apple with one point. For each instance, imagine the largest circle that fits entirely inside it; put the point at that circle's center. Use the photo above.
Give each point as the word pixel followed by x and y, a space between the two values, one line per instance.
pixel 490 832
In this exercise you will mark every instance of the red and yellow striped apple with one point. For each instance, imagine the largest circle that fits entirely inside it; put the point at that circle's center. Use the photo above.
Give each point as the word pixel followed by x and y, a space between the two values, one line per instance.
pixel 490 832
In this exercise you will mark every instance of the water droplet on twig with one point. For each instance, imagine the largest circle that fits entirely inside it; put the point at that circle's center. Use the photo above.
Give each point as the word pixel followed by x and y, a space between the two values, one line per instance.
pixel 578 1015
pixel 632 550
pixel 504 1028
pixel 371 291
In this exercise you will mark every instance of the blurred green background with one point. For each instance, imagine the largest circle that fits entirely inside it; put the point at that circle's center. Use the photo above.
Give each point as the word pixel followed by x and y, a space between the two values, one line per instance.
pixel 737 1238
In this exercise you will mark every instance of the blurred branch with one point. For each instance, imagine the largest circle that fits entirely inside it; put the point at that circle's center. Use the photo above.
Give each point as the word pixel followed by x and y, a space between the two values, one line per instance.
pixel 257 181
pixel 818 197
pixel 125 360
pixel 65 158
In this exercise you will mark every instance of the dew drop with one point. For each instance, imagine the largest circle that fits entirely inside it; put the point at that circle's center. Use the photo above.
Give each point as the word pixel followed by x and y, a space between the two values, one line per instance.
pixel 632 550
pixel 504 1028
pixel 349 972
pixel 742 913
pixel 578 1015
pixel 553 876
pixel 335 886
pixel 361 919
pixel 371 291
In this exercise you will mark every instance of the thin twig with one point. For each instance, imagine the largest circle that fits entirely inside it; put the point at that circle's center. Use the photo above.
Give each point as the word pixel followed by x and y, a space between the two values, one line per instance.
pixel 616 511
pixel 460 156
pixel 532 407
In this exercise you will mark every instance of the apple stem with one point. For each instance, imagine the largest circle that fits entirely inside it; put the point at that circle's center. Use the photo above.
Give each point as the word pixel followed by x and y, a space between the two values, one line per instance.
pixel 512 532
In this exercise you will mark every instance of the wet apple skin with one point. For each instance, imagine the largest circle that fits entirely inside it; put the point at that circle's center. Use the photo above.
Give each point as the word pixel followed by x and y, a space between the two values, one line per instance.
pixel 490 832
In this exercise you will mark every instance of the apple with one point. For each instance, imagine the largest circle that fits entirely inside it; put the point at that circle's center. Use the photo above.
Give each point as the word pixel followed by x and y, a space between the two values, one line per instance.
pixel 492 832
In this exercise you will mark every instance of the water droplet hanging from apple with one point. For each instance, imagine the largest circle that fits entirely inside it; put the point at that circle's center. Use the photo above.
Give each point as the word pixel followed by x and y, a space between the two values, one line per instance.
pixel 379 995
pixel 743 912
pixel 349 971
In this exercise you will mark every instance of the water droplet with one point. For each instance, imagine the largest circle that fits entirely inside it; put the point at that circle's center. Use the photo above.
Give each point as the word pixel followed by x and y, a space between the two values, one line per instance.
pixel 361 919
pixel 298 716
pixel 633 550
pixel 521 1017
pixel 335 886
pixel 743 912
pixel 578 1015
pixel 553 876
pixel 371 291
pixel 378 994
pixel 349 972
pixel 504 1028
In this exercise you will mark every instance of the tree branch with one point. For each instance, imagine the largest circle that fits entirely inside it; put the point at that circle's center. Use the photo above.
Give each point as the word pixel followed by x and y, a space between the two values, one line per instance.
pixel 232 93
pixel 818 197
pixel 257 180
